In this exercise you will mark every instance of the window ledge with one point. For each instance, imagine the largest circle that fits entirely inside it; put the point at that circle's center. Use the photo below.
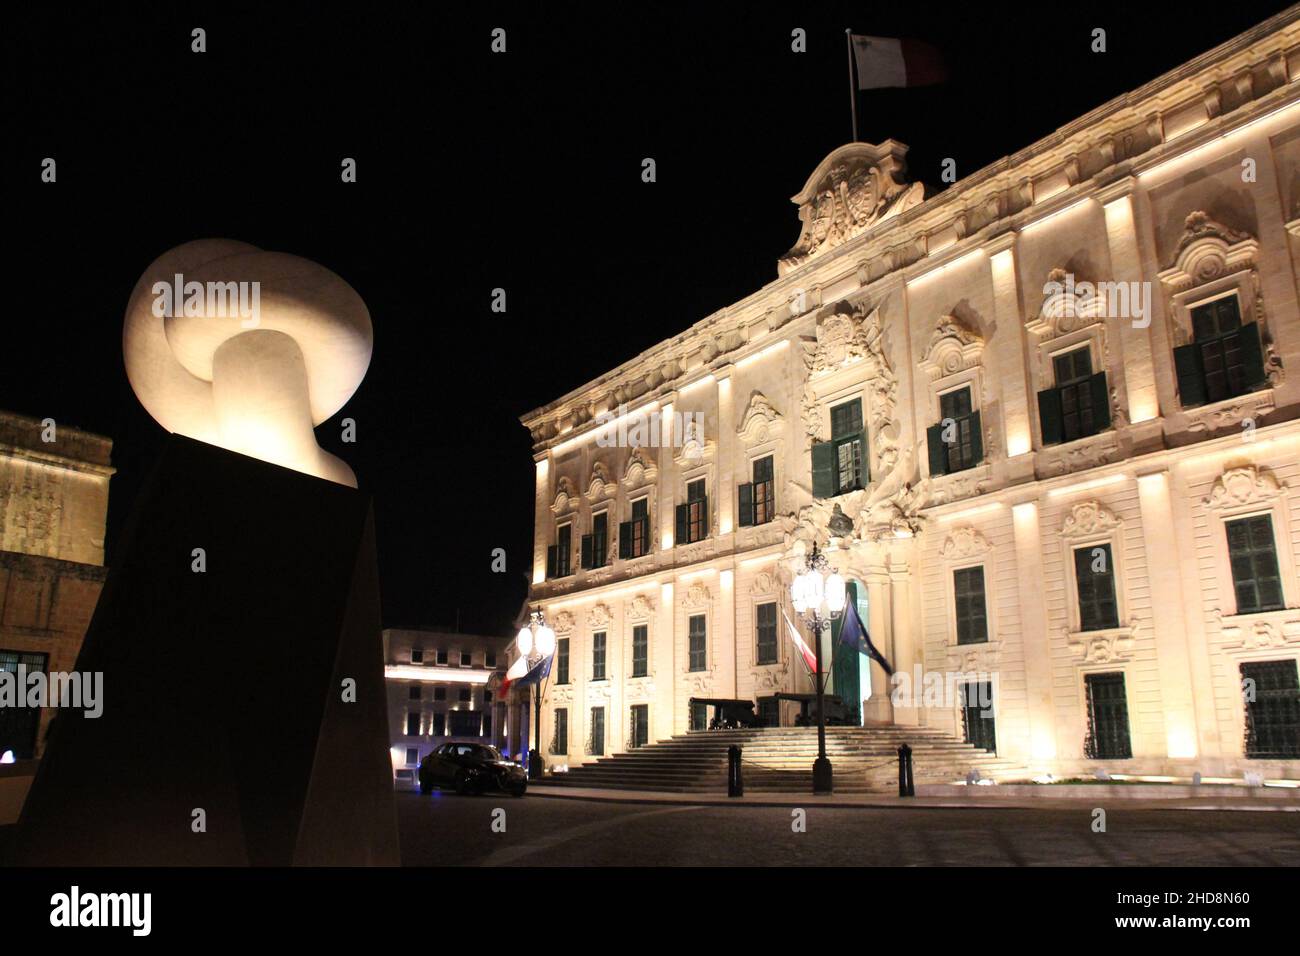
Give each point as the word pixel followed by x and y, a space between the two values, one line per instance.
pixel 1102 646
pixel 1229 411
pixel 1260 630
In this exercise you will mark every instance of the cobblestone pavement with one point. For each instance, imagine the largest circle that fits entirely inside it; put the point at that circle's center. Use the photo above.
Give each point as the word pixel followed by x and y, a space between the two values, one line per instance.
pixel 445 829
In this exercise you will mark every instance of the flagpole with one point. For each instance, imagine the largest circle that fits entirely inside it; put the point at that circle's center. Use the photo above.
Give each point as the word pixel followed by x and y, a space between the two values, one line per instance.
pixel 853 96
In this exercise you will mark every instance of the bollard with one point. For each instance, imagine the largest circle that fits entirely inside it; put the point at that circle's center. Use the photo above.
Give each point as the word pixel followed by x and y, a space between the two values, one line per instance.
pixel 735 782
pixel 905 787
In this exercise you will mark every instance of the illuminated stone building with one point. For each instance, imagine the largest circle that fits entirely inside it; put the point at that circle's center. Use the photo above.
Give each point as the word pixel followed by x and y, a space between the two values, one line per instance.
pixel 1056 403
pixel 441 686
pixel 53 506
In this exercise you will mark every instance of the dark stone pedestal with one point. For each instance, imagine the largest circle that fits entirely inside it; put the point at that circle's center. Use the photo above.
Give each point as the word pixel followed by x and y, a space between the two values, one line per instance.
pixel 224 690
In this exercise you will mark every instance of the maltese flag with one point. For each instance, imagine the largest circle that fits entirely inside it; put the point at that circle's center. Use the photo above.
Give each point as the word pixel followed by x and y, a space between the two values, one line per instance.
pixel 883 62
pixel 809 658
pixel 517 670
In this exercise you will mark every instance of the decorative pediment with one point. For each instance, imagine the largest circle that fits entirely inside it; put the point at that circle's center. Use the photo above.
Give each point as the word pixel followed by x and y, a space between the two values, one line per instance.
pixel 600 486
pixel 563 623
pixel 845 338
pixel 953 347
pixel 640 469
pixel 599 616
pixel 695 448
pixel 697 596
pixel 765 582
pixel 851 190
pixel 761 421
pixel 963 543
pixel 1071 304
pixel 1206 251
pixel 640 608
pixel 1089 518
pixel 1246 485
pixel 566 499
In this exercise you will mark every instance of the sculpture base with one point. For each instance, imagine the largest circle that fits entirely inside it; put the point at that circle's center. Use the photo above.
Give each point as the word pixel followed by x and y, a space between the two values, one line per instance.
pixel 244 706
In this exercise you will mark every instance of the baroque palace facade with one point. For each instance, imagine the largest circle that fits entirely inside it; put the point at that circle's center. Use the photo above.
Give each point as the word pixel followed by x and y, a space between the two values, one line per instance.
pixel 1045 422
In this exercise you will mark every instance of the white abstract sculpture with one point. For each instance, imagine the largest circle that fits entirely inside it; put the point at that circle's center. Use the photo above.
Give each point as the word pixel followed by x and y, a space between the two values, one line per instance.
pixel 247 350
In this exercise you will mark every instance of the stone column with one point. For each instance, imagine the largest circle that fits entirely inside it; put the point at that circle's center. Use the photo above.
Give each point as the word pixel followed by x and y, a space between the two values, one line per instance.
pixel 1167 614
pixel 905 634
pixel 1138 370
pixel 1007 354
pixel 1037 642
pixel 879 709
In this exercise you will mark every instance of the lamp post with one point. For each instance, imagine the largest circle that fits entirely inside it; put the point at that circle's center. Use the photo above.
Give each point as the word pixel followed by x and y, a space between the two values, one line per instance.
pixel 818 595
pixel 536 641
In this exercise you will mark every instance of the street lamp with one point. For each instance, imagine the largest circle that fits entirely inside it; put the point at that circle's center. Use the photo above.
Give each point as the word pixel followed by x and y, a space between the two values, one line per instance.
pixel 818 595
pixel 536 641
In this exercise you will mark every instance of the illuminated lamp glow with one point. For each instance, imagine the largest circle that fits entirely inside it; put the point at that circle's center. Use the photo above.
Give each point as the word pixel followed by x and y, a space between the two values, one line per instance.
pixel 8 757
pixel 524 640
pixel 545 641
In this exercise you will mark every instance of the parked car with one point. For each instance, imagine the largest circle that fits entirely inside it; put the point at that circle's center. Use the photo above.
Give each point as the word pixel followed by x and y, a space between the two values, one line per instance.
pixel 471 768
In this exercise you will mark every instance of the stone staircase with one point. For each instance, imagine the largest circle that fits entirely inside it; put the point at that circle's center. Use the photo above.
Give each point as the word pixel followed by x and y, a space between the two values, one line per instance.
pixel 780 759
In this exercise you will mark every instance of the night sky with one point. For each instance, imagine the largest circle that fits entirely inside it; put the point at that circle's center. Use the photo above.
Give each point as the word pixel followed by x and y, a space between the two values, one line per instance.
pixel 477 171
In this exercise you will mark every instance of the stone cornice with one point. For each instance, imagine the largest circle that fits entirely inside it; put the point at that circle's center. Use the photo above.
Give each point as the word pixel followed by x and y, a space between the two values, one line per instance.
pixel 1095 150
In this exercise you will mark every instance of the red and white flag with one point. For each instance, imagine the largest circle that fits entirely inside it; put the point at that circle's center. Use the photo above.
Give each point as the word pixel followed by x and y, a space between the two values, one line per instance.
pixel 809 658
pixel 517 670
pixel 884 61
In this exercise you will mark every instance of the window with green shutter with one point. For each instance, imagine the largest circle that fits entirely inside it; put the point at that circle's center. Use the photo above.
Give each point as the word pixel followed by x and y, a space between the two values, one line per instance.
pixel 972 618
pixel 766 627
pixel 840 465
pixel 560 737
pixel 596 739
pixel 562 660
pixel 1108 733
pixel 595 546
pixel 1094 575
pixel 1225 357
pixel 640 650
pixel 764 491
pixel 977 715
pixel 955 441
pixel 560 559
pixel 697 657
pixel 598 656
pixel 1272 694
pixel 1079 404
pixel 1253 557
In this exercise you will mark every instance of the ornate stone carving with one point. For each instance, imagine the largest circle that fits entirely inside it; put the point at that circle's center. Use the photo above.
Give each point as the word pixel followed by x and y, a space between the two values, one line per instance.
pixel 764 583
pixel 640 469
pixel 851 190
pixel 761 420
pixel 1207 250
pixel 1246 485
pixel 1071 304
pixel 964 542
pixel 1089 518
pixel 638 689
pixel 953 347
pixel 1260 632
pixel 1081 455
pixel 770 677
pixel 600 486
pixel 565 496
pixel 599 616
pixel 1101 647
pixel 563 623
pixel 697 596
pixel 640 608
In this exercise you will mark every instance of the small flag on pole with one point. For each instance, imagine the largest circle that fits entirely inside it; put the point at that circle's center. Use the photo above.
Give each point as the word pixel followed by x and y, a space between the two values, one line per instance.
pixel 520 674
pixel 809 658
pixel 885 62
pixel 855 635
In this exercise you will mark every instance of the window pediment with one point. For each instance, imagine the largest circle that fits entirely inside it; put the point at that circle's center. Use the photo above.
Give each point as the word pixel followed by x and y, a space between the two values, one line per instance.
pixel 761 420
pixel 1207 250
pixel 953 347
pixel 1244 486
pixel 1088 518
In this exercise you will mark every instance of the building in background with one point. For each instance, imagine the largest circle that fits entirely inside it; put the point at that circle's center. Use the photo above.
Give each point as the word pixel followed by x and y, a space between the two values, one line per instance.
pixel 53 508
pixel 442 686
pixel 1045 421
